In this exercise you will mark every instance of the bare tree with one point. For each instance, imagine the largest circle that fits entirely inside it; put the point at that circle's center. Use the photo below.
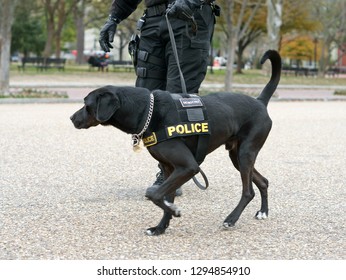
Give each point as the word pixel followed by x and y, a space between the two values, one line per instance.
pixel 228 12
pixel 332 17
pixel 79 12
pixel 274 22
pixel 6 14
pixel 236 28
pixel 57 12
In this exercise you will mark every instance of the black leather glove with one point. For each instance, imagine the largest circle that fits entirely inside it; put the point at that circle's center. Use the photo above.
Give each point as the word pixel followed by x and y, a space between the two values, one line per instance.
pixel 184 10
pixel 107 33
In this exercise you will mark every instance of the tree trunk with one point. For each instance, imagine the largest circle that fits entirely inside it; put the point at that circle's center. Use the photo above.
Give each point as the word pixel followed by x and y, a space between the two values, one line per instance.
pixel 58 45
pixel 79 13
pixel 50 31
pixel 6 13
pixel 240 60
pixel 80 41
pixel 62 16
pixel 274 22
pixel 230 46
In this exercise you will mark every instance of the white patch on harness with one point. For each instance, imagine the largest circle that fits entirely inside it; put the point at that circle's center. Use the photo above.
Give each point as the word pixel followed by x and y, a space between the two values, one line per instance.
pixel 191 102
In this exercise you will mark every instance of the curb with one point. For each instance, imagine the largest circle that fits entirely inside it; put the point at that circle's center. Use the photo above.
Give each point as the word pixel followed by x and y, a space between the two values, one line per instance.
pixel 207 86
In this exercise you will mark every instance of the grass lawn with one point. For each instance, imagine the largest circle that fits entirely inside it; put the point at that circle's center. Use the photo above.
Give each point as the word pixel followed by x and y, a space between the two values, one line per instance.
pixel 218 76
pixel 260 77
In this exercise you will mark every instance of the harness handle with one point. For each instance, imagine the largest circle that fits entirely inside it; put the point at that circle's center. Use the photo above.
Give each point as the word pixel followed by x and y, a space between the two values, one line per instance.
pixel 198 184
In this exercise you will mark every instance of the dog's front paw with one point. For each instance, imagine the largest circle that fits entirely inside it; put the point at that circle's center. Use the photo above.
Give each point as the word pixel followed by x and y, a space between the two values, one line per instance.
pixel 261 215
pixel 230 221
pixel 155 231
pixel 227 225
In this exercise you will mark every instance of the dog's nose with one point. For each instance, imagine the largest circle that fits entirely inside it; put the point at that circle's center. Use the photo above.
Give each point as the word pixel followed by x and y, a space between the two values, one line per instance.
pixel 73 119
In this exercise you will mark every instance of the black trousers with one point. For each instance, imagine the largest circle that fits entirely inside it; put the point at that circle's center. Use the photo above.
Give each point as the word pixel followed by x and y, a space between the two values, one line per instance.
pixel 156 65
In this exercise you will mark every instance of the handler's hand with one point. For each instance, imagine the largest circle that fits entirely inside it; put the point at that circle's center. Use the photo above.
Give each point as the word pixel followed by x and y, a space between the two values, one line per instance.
pixel 107 34
pixel 184 10
pixel 180 9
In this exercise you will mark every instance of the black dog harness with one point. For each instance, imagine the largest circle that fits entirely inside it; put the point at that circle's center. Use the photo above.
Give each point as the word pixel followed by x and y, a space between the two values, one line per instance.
pixel 192 120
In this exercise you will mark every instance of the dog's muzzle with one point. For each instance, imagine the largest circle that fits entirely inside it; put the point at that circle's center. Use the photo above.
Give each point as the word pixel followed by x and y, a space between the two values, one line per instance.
pixel 82 119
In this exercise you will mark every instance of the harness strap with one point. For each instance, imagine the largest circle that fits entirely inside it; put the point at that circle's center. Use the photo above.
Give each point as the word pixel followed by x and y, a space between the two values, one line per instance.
pixel 202 148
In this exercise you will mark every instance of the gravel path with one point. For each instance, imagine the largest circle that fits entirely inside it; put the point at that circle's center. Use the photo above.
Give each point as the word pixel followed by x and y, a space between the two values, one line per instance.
pixel 70 194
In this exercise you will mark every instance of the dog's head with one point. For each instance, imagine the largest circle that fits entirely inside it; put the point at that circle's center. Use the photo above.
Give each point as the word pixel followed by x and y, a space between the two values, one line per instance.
pixel 99 106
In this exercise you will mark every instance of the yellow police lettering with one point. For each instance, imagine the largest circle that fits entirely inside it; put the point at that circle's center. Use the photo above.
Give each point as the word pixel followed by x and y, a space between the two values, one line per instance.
pixel 149 139
pixel 180 129
pixel 198 127
pixel 192 129
pixel 187 128
pixel 170 130
pixel 205 127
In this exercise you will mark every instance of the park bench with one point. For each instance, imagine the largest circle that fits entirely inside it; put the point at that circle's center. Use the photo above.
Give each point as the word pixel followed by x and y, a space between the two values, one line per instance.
pixel 299 71
pixel 57 63
pixel 332 72
pixel 27 62
pixel 121 65
pixel 41 63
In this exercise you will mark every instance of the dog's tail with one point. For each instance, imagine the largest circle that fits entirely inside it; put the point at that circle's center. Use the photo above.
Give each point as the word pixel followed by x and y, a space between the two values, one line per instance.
pixel 270 88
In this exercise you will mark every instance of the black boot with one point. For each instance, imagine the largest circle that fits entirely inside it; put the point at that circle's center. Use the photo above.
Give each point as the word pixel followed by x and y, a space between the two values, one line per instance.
pixel 160 178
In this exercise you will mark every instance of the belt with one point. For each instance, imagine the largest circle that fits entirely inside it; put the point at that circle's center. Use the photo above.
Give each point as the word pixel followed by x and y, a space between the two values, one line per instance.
pixel 159 10
pixel 156 10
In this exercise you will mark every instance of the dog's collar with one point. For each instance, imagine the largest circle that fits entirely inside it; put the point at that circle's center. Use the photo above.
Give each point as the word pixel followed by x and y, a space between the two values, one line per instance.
pixel 136 138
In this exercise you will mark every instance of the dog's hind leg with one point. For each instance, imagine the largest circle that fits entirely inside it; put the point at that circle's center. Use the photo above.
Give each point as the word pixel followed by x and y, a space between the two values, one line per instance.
pixel 243 158
pixel 261 183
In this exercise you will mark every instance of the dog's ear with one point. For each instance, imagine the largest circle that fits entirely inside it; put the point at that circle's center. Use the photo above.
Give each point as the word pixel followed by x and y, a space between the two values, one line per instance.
pixel 107 104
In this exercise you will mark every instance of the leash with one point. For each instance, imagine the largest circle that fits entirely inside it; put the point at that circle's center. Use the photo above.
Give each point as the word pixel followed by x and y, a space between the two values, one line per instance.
pixel 183 87
pixel 174 47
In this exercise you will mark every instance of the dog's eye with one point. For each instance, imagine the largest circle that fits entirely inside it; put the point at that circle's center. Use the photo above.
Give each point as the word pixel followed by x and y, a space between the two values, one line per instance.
pixel 88 109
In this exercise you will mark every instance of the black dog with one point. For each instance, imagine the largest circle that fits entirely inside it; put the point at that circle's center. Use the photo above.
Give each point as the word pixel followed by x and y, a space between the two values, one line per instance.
pixel 239 122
